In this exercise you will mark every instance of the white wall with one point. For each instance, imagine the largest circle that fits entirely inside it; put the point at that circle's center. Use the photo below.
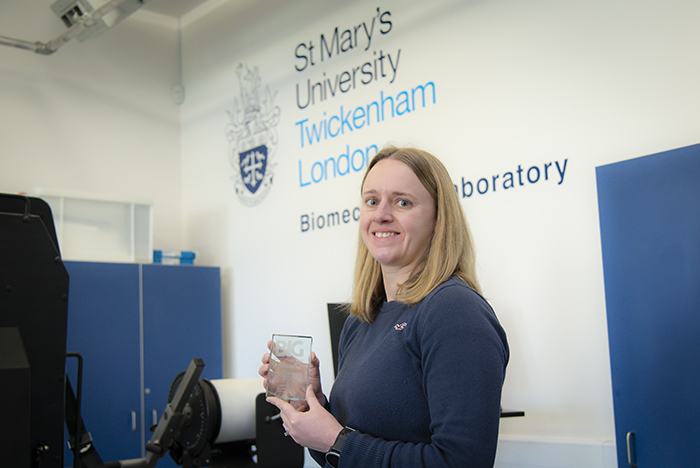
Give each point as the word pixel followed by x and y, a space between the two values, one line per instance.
pixel 518 84
pixel 95 117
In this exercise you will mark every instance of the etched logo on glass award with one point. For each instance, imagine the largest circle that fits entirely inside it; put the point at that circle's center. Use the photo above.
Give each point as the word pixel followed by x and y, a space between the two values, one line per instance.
pixel 288 377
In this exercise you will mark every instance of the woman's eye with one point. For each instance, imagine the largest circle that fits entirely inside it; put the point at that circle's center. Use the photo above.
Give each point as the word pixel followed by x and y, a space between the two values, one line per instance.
pixel 371 202
pixel 404 203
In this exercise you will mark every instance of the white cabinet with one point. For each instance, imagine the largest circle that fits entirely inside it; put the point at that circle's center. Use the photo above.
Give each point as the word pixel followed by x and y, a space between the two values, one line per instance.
pixel 97 228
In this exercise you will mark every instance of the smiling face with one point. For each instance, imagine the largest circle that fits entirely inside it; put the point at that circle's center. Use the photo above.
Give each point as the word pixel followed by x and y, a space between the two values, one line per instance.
pixel 397 218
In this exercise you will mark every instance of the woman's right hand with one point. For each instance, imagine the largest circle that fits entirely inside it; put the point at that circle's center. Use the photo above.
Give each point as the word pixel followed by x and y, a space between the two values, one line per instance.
pixel 265 367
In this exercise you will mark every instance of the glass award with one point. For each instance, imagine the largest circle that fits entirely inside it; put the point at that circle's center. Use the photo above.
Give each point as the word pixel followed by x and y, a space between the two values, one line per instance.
pixel 288 377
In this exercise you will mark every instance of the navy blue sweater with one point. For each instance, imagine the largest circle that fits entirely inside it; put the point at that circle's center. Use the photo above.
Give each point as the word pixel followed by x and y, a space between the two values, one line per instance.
pixel 422 384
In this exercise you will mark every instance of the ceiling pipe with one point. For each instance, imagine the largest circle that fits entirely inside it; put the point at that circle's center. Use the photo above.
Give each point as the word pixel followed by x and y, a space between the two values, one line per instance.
pixel 20 44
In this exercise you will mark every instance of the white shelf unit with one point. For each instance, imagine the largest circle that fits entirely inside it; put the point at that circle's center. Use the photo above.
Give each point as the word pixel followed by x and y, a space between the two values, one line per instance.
pixel 98 228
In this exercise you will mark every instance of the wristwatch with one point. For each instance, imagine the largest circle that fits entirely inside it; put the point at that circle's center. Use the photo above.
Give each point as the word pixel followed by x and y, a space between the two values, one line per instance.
pixel 333 455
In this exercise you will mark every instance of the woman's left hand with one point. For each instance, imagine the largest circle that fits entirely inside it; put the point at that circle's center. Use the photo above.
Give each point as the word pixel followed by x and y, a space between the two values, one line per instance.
pixel 314 428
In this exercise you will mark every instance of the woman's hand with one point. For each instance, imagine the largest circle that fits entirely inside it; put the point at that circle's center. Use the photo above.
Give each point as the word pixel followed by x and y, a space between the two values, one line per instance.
pixel 265 367
pixel 314 428
pixel 315 378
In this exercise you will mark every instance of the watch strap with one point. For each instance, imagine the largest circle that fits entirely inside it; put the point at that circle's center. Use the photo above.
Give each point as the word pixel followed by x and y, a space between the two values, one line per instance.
pixel 333 455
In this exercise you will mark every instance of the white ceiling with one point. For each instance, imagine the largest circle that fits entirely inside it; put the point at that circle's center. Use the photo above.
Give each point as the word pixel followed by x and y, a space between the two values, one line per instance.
pixel 174 8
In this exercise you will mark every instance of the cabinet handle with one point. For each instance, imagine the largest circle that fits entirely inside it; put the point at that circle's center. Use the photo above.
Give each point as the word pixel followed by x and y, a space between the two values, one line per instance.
pixel 631 452
pixel 133 421
pixel 155 417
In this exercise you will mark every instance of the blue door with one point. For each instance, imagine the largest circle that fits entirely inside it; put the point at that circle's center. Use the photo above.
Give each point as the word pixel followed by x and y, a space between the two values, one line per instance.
pixel 650 230
pixel 181 321
pixel 103 326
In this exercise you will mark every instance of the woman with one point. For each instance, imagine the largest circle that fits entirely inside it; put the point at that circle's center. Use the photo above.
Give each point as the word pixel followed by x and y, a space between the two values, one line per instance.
pixel 422 357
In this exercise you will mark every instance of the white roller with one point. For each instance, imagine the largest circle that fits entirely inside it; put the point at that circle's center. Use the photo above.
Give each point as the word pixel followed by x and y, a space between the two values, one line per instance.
pixel 237 398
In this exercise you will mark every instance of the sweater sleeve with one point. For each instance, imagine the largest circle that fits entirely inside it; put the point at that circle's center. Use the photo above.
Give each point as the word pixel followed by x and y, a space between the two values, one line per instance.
pixel 462 353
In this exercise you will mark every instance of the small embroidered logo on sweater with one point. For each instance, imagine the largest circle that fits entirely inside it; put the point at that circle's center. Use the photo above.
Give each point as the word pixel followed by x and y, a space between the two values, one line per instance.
pixel 400 326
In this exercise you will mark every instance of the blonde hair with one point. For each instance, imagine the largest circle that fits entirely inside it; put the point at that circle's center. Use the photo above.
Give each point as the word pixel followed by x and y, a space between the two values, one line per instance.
pixel 450 252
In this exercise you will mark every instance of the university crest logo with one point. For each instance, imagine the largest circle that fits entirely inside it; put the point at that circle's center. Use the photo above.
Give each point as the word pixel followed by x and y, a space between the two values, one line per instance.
pixel 252 136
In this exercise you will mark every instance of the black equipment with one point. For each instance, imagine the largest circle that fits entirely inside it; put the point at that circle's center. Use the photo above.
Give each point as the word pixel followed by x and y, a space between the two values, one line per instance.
pixel 37 395
pixel 33 303
pixel 201 443
pixel 189 430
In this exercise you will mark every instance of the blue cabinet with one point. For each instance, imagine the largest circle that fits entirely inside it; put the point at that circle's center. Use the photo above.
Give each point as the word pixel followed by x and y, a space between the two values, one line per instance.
pixel 650 230
pixel 137 326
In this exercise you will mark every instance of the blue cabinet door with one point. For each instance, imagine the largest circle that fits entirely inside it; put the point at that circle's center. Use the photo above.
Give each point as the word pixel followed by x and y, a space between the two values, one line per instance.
pixel 650 232
pixel 103 326
pixel 181 321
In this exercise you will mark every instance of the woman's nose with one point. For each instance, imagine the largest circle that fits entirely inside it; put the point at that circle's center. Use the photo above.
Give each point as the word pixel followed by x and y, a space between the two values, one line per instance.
pixel 383 212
